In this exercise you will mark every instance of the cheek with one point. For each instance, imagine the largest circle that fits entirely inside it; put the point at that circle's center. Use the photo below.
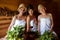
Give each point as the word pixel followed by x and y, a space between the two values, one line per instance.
pixel 42 10
pixel 19 10
pixel 31 12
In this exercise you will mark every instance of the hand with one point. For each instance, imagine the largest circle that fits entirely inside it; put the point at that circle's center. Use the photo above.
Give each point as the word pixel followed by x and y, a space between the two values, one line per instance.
pixel 50 30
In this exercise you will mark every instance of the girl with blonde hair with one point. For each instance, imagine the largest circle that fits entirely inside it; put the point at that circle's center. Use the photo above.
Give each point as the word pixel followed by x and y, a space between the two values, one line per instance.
pixel 18 20
pixel 45 21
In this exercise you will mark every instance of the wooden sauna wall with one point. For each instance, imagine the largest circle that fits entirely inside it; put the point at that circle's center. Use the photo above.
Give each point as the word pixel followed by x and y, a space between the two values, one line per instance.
pixel 4 24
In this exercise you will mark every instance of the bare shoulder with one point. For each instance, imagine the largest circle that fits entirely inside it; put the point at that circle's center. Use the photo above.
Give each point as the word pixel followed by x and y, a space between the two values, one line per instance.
pixel 14 17
pixel 49 14
pixel 39 17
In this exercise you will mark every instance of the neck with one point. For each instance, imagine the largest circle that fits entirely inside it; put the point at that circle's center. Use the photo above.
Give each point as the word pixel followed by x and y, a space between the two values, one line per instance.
pixel 31 15
pixel 44 13
pixel 20 14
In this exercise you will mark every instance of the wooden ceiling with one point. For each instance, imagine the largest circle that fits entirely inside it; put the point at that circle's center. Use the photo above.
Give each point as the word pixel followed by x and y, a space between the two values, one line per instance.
pixel 13 4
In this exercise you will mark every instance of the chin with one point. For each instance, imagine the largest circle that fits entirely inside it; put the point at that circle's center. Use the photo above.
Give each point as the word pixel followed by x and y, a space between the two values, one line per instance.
pixel 30 14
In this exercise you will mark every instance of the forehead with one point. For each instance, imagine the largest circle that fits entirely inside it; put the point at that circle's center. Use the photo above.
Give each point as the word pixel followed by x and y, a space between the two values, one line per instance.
pixel 21 8
pixel 31 9
pixel 40 7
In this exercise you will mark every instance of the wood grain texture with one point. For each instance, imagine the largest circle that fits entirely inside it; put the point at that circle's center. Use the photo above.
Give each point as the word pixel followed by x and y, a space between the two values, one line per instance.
pixel 4 24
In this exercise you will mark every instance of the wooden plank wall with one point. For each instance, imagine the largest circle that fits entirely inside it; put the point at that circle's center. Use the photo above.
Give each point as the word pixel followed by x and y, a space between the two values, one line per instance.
pixel 4 24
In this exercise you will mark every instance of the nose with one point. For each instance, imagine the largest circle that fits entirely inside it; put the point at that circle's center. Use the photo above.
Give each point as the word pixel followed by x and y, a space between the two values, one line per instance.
pixel 23 9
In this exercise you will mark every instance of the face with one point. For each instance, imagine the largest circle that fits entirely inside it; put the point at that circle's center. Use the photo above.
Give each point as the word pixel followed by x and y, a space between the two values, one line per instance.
pixel 41 10
pixel 30 11
pixel 21 10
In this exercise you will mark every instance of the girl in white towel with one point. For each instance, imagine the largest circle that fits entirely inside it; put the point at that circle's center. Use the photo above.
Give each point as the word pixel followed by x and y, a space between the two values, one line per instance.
pixel 45 21
pixel 31 19
pixel 18 20
pixel 31 22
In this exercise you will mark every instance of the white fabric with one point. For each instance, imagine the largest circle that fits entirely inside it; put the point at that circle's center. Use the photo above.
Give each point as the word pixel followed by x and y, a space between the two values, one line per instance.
pixel 32 24
pixel 18 23
pixel 45 24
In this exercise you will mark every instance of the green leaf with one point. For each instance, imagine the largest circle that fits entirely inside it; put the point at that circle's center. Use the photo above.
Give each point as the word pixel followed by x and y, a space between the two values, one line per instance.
pixel 16 33
pixel 47 36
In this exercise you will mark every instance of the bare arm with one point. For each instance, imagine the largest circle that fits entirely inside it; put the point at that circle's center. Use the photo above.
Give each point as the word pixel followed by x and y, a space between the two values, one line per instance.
pixel 12 22
pixel 38 23
pixel 28 23
pixel 35 21
pixel 51 21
